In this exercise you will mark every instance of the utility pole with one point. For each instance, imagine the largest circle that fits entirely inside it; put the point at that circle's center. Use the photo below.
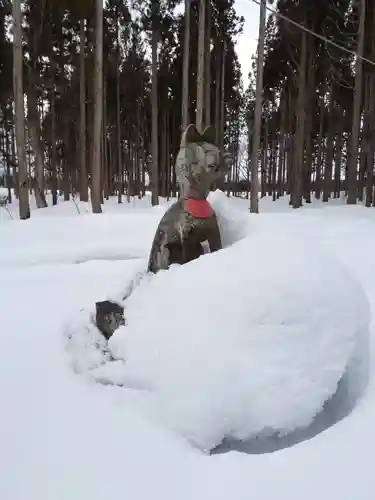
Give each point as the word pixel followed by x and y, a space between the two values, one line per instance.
pixel 185 68
pixel 254 192
pixel 201 61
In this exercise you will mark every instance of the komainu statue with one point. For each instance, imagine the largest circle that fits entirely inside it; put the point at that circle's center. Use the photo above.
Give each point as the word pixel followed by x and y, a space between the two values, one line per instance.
pixel 189 228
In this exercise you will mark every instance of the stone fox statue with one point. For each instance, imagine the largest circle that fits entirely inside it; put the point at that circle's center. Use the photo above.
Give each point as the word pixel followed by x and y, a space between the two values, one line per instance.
pixel 189 228
pixel 190 224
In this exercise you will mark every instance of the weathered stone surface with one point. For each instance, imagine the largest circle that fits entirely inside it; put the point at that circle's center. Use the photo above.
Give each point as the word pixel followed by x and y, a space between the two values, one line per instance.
pixel 182 235
pixel 109 316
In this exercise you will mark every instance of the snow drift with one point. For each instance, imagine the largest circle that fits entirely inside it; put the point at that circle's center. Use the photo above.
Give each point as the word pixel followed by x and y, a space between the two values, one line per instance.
pixel 66 439
pixel 245 342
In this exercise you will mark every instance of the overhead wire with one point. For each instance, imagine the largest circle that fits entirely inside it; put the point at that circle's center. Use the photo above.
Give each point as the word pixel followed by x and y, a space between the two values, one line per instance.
pixel 313 33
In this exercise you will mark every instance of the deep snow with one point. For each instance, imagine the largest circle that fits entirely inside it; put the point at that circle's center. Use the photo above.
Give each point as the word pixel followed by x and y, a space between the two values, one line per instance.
pixel 232 349
pixel 64 437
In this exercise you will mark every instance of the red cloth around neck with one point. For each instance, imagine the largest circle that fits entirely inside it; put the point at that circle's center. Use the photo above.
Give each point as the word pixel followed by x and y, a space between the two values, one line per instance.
pixel 198 208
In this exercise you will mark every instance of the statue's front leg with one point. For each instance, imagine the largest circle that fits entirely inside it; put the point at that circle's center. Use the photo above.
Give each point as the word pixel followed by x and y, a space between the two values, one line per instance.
pixel 160 253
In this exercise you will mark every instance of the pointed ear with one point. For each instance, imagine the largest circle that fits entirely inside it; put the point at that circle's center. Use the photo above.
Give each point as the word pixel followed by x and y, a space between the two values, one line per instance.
pixel 190 135
pixel 209 135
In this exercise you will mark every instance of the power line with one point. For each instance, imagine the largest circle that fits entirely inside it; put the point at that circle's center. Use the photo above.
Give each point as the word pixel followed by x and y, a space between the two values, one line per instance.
pixel 313 33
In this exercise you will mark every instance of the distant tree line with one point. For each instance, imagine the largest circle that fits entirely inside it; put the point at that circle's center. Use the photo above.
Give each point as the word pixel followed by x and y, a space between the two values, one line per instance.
pixel 93 99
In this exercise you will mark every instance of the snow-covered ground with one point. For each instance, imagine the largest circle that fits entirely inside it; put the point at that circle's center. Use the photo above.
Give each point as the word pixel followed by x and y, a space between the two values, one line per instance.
pixel 63 436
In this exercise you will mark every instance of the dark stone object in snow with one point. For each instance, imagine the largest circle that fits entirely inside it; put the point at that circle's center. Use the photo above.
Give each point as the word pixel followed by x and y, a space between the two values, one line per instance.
pixel 189 228
pixel 109 316
pixel 3 196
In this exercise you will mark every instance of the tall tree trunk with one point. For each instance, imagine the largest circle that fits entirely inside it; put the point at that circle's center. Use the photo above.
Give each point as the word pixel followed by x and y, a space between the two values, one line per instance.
pixel 282 147
pixel 33 114
pixel 106 169
pixel 128 170
pixel 185 68
pixel 356 124
pixel 369 143
pixel 249 147
pixel 319 161
pixel 53 147
pixel 24 207
pixel 7 158
pixel 15 169
pixel 98 112
pixel 67 185
pixel 168 146
pixel 84 195
pixel 219 53
pixel 311 107
pixel 163 153
pixel 296 197
pixel 137 188
pixel 207 64
pixel 273 167
pixel 332 119
pixel 222 100
pixel 201 70
pixel 118 129
pixel 370 116
pixel 254 191
pixel 154 104
pixel 338 158
pixel 35 134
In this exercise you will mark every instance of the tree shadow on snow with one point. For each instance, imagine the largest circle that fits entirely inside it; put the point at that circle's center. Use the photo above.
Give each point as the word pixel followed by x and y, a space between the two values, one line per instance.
pixel 349 391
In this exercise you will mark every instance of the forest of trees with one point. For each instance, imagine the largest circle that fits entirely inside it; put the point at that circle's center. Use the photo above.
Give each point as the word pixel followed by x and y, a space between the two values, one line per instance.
pixel 318 113
pixel 93 97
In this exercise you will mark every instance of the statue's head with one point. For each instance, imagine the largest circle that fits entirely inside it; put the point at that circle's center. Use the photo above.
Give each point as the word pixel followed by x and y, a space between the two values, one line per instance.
pixel 199 164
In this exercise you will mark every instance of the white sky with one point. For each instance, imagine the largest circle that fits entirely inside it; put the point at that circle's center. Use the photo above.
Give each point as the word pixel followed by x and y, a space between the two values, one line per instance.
pixel 246 45
pixel 247 42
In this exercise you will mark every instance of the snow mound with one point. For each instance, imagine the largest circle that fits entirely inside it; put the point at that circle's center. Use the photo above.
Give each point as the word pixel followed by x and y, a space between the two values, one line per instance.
pixel 246 342
pixel 84 343
pixel 233 222
pixel 3 193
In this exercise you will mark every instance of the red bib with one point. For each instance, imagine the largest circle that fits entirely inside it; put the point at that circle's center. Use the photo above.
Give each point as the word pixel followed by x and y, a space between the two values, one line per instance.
pixel 198 208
